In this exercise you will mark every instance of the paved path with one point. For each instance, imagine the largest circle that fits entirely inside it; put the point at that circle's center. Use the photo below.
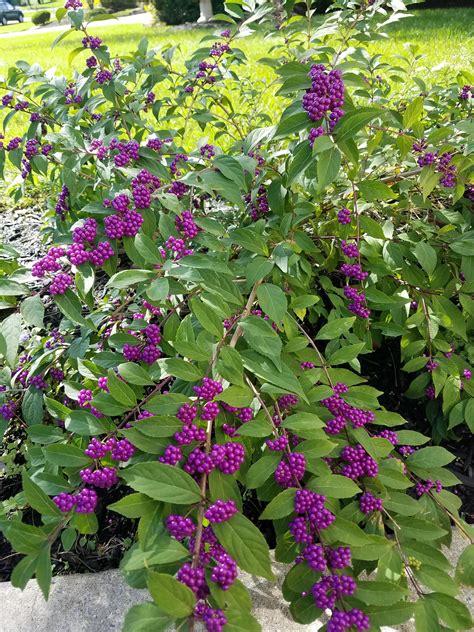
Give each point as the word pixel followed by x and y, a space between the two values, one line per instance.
pixel 139 18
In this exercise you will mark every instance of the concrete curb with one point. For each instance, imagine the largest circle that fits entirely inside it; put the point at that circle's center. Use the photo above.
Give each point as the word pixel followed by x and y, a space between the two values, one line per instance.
pixel 98 602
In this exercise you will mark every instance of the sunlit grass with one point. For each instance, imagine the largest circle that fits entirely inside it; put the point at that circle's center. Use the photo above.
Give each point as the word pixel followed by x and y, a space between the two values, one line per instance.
pixel 443 38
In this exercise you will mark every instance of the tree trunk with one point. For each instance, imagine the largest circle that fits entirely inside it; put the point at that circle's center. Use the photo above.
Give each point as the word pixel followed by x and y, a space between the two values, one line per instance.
pixel 205 7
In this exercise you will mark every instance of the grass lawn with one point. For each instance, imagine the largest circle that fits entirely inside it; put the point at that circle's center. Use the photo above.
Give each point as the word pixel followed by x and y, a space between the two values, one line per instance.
pixel 14 27
pixel 443 37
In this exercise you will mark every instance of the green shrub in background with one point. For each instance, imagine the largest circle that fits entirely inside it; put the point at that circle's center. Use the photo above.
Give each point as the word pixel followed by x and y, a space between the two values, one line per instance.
pixel 118 5
pixel 172 12
pixel 41 17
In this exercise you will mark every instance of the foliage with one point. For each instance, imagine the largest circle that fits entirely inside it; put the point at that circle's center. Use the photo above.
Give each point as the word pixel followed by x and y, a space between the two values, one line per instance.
pixel 41 17
pixel 171 12
pixel 200 324
pixel 118 5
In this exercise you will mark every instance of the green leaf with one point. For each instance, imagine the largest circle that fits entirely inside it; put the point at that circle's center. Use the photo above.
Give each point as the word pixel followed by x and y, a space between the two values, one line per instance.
pixel 207 317
pixel 301 159
pixel 11 288
pixel 120 391
pixel 162 482
pixel 68 538
pixel 244 542
pixel 426 256
pixel 37 499
pixel 134 505
pixel 451 611
pixel 236 597
pixel 372 190
pixel 426 553
pixel 450 315
pixel 258 427
pixel 315 448
pixel 327 168
pixel 260 471
pixel 147 249
pixel 43 571
pixel 165 551
pixel 237 396
pixel 66 455
pixel 292 124
pixel 250 240
pixel 224 486
pixel 24 571
pixel 273 301
pixel 413 112
pixel 434 456
pixel 135 374
pixel 401 504
pixel 231 169
pixel 418 529
pixel 173 597
pixel 230 366
pixel 238 620
pixel 182 369
pixel 145 617
pixel 334 486
pixel 410 437
pixel 436 580
pixel 71 307
pixel 10 329
pixel 380 593
pixel 335 328
pixel 281 506
pixel 390 615
pixel 354 121
pixel 393 479
pixel 24 538
pixel 32 406
pixel 192 350
pixel 345 354
pixel 465 566
pixel 303 424
pixel 32 310
pixel 347 532
pixel 158 290
pixel 126 278
pixel 260 336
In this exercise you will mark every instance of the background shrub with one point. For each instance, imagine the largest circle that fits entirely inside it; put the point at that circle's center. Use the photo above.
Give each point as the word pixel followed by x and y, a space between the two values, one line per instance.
pixel 172 12
pixel 41 17
pixel 118 5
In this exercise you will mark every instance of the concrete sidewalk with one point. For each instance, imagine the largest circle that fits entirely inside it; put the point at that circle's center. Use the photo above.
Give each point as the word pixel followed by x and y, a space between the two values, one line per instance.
pixel 98 602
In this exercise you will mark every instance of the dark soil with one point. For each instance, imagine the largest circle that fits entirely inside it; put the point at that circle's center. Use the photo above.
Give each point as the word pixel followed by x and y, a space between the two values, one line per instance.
pixel 91 553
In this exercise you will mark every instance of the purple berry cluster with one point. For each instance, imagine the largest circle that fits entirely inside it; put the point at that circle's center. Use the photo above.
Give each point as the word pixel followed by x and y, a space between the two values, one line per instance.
pixel 441 162
pixel 146 348
pixel 84 501
pixel 104 478
pixel 427 486
pixel 221 511
pixel 207 555
pixel 325 98
pixel 358 463
pixel 257 203
pixel 343 412
pixel 120 449
pixel 313 517
pixel 368 503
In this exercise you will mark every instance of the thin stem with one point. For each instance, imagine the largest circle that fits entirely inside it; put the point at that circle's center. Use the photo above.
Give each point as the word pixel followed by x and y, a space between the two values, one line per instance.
pixel 320 355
